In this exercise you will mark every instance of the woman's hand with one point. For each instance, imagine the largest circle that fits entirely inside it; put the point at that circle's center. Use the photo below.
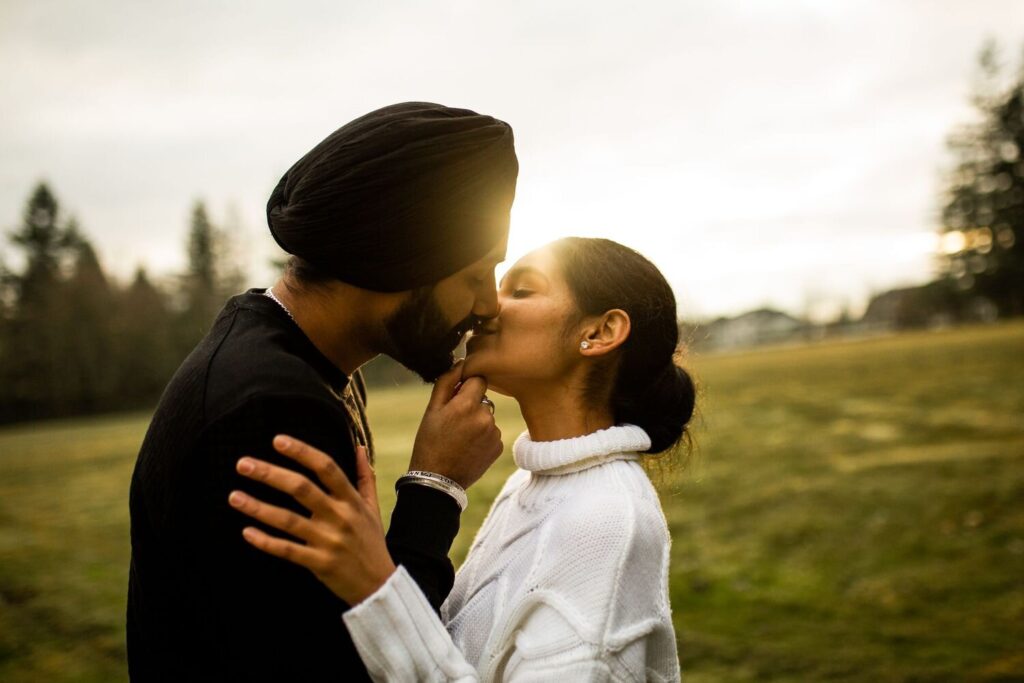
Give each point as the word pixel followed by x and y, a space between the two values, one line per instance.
pixel 344 536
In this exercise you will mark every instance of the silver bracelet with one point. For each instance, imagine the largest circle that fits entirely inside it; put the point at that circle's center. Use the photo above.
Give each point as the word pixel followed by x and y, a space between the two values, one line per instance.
pixel 435 481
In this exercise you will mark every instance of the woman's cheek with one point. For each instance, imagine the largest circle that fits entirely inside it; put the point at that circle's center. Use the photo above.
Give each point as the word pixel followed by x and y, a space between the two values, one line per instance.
pixel 484 358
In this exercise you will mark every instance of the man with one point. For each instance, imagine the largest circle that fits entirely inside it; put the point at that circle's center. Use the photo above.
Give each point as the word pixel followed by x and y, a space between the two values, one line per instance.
pixel 395 223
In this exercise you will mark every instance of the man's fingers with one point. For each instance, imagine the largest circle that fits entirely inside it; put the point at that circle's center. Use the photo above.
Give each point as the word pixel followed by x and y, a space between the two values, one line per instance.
pixel 278 547
pixel 473 390
pixel 308 494
pixel 318 462
pixel 271 515
pixel 445 385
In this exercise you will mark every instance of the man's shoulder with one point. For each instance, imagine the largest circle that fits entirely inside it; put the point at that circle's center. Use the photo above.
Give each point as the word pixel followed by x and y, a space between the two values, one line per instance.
pixel 259 359
pixel 253 363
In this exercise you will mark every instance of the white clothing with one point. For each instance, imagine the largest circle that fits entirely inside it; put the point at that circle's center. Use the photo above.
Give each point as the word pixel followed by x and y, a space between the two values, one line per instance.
pixel 567 580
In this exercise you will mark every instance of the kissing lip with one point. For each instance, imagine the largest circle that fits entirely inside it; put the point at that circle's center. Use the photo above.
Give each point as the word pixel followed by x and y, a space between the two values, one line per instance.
pixel 482 332
pixel 485 326
pixel 476 336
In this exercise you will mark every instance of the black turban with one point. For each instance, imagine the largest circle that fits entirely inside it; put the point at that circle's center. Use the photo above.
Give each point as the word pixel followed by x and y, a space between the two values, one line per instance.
pixel 401 197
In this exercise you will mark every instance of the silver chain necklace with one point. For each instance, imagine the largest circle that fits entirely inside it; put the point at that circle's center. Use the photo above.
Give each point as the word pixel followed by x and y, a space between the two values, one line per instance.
pixel 270 292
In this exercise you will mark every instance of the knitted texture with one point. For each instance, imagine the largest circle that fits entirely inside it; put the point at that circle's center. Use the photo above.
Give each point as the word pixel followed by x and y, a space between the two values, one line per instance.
pixel 567 578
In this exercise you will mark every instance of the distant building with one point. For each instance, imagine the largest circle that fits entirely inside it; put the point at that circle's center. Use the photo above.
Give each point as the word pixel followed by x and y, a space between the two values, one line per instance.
pixel 892 309
pixel 931 305
pixel 755 328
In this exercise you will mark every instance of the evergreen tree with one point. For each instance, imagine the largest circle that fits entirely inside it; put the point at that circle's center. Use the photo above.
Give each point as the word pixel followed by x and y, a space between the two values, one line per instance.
pixel 200 279
pixel 48 245
pixel 983 204
pixel 8 295
pixel 146 355
pixel 209 280
pixel 90 367
pixel 32 364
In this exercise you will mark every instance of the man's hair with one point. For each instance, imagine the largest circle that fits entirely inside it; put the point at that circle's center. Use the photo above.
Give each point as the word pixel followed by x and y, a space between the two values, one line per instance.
pixel 305 275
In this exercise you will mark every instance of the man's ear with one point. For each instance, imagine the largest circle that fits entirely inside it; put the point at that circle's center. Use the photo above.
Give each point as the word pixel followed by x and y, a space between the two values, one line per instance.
pixel 606 333
pixel 375 305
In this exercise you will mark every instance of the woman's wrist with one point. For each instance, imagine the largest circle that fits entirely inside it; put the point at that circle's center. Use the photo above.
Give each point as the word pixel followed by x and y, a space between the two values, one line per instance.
pixel 374 582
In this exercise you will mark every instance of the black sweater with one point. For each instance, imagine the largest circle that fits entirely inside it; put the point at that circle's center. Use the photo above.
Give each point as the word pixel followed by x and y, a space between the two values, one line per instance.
pixel 202 603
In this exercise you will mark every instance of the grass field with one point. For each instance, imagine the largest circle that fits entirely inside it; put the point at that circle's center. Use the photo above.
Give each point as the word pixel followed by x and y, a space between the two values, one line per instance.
pixel 853 512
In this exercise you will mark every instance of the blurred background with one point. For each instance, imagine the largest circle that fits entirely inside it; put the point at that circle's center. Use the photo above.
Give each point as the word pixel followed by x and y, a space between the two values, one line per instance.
pixel 834 189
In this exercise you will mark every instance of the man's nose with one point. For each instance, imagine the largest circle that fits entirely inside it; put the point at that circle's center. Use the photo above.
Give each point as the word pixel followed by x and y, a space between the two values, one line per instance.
pixel 486 305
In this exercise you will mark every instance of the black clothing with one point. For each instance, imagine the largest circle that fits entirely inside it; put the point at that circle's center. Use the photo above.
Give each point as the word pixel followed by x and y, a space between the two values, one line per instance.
pixel 399 198
pixel 202 603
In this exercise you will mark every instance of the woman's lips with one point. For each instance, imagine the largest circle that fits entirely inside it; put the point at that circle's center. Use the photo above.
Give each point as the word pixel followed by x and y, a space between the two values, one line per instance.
pixel 476 338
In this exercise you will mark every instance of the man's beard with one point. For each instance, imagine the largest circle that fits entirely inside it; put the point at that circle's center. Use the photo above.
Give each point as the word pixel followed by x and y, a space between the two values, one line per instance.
pixel 420 338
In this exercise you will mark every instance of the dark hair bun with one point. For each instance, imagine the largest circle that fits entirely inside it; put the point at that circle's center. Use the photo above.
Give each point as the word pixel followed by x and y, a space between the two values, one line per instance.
pixel 662 408
pixel 645 386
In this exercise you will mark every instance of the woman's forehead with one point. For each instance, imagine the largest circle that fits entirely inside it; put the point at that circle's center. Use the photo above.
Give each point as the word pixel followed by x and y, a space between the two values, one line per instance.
pixel 541 258
pixel 539 261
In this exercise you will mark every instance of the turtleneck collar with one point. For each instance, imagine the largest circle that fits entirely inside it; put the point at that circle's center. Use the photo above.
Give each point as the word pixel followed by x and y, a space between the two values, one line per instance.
pixel 621 442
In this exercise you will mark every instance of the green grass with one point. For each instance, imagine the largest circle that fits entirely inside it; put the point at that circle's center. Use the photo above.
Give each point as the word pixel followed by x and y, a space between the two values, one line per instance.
pixel 854 512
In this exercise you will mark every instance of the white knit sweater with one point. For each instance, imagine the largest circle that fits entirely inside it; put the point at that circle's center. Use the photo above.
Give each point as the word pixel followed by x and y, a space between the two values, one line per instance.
pixel 567 580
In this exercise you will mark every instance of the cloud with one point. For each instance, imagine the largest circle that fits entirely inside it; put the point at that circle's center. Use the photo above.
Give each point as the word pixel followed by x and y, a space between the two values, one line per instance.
pixel 672 126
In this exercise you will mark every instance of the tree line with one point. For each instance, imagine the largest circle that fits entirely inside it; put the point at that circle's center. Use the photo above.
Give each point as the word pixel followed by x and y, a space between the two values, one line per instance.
pixel 981 263
pixel 74 341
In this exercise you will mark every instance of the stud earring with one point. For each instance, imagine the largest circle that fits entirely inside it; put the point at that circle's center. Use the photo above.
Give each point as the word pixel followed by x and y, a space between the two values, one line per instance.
pixel 584 344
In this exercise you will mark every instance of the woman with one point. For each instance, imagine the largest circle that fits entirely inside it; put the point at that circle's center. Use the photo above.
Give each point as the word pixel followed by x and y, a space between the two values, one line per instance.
pixel 568 575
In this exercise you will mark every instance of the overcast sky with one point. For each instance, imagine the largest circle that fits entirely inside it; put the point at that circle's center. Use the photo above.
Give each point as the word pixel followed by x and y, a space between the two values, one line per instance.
pixel 777 152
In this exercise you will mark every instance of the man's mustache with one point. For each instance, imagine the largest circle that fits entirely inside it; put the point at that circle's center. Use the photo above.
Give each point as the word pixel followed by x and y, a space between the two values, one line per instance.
pixel 470 322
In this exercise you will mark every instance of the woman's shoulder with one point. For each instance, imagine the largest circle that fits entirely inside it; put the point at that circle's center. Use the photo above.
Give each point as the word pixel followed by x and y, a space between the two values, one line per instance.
pixel 603 559
pixel 515 481
pixel 615 516
pixel 611 489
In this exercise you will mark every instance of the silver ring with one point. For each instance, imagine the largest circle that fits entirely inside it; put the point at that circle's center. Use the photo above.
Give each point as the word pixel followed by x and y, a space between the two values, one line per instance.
pixel 489 403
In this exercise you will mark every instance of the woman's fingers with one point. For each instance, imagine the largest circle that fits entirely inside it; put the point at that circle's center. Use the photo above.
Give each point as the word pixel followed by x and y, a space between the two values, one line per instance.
pixel 317 462
pixel 308 494
pixel 344 538
pixel 366 479
pixel 286 550
pixel 271 515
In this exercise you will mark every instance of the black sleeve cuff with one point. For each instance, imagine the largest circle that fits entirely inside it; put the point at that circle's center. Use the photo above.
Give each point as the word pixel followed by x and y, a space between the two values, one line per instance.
pixel 424 524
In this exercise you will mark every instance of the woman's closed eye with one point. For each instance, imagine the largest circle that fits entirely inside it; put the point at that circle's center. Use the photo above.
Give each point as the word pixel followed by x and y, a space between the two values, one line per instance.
pixel 520 293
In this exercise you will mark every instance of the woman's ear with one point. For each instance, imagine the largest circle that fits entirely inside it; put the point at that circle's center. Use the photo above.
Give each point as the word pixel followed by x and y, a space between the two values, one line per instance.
pixel 606 333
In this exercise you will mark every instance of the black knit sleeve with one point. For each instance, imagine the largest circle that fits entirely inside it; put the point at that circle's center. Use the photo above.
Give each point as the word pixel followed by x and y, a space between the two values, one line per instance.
pixel 260 603
pixel 423 526
pixel 273 620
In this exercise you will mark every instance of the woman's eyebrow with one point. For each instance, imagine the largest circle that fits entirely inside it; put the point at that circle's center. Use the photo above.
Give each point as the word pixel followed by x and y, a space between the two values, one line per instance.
pixel 518 271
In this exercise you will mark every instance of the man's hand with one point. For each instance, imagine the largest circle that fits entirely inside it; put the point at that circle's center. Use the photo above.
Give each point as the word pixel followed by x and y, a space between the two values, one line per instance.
pixel 457 436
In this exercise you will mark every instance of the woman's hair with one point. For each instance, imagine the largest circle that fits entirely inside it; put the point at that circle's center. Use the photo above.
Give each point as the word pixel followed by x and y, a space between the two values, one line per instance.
pixel 647 387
